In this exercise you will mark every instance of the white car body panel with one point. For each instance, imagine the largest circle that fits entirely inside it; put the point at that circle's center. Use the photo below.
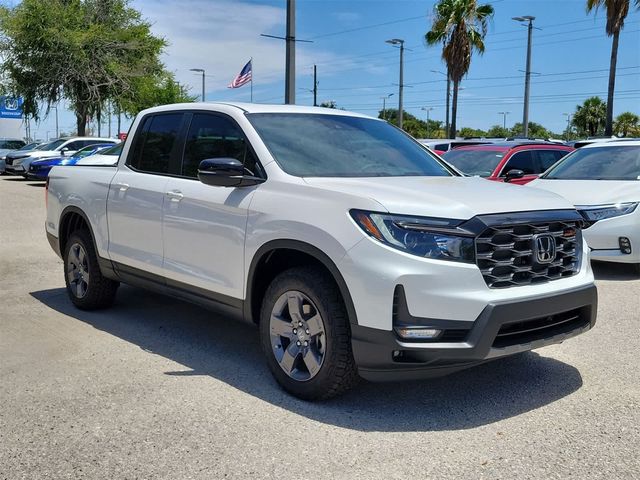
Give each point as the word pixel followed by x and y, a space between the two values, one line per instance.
pixel 98 159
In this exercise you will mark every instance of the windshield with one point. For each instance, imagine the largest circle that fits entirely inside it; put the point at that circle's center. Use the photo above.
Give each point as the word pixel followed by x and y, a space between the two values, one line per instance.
pixel 115 150
pixel 51 145
pixel 29 146
pixel 320 145
pixel 11 144
pixel 475 162
pixel 620 162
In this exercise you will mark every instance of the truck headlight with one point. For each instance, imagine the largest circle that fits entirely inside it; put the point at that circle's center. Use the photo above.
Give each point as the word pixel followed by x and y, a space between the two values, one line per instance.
pixel 425 237
pixel 593 214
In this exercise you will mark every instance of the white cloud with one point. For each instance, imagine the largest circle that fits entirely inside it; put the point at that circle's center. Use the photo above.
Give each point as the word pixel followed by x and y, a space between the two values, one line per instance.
pixel 220 37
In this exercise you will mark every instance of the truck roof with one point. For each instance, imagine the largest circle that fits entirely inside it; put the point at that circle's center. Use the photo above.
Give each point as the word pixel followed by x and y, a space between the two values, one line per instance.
pixel 253 108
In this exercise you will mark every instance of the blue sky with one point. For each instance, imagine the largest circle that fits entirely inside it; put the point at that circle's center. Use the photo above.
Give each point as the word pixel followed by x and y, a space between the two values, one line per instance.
pixel 356 67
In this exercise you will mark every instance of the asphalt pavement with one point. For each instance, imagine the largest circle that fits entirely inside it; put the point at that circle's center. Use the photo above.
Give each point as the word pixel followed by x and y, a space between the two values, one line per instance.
pixel 158 388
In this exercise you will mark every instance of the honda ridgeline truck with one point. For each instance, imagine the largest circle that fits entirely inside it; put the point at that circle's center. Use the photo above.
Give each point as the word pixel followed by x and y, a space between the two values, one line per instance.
pixel 356 251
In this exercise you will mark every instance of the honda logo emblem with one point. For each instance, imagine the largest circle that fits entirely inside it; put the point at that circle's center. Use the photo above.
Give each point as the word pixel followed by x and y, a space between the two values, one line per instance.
pixel 544 248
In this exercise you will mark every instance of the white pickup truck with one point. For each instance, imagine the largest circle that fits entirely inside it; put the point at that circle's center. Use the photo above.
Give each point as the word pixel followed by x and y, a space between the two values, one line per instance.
pixel 357 251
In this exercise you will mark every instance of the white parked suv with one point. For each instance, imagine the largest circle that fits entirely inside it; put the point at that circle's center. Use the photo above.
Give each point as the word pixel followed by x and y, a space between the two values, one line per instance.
pixel 602 180
pixel 18 162
pixel 356 251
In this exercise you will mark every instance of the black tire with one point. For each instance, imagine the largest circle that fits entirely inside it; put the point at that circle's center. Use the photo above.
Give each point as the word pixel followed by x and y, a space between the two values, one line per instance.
pixel 338 372
pixel 99 292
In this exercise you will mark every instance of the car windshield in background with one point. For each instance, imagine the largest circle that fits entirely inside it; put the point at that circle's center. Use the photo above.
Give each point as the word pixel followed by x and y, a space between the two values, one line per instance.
pixel 317 145
pixel 602 163
pixel 51 145
pixel 29 146
pixel 475 162
pixel 11 144
pixel 115 150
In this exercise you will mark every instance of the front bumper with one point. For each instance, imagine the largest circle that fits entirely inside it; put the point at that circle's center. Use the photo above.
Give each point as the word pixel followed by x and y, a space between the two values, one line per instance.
pixel 15 169
pixel 503 328
pixel 603 238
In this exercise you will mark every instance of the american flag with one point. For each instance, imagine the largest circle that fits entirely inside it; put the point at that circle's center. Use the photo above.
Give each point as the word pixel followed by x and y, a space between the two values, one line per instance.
pixel 243 77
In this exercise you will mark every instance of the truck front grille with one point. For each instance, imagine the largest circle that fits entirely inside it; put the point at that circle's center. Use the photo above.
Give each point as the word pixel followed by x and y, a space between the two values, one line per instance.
pixel 506 254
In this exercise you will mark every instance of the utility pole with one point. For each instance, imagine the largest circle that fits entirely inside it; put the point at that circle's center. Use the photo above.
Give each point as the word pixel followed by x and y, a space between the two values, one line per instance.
pixel 290 40
pixel 57 131
pixel 315 86
pixel 504 119
pixel 447 99
pixel 527 81
pixel 398 41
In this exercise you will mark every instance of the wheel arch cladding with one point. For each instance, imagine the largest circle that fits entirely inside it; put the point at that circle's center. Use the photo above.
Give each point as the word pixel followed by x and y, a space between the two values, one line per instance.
pixel 277 256
pixel 72 219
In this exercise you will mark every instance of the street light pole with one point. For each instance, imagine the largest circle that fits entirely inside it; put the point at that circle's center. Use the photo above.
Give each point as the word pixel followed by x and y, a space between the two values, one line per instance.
pixel 446 122
pixel 384 105
pixel 527 81
pixel 397 41
pixel 57 132
pixel 504 119
pixel 568 115
pixel 428 109
pixel 200 70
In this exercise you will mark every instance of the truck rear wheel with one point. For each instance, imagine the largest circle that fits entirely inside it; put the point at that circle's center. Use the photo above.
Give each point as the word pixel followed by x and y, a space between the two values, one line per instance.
pixel 305 335
pixel 86 287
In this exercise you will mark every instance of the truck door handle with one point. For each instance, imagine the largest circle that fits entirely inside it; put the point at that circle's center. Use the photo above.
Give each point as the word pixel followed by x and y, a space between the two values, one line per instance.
pixel 175 195
pixel 123 187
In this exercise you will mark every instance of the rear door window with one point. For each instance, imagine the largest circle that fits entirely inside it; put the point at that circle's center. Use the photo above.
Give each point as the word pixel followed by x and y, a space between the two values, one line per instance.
pixel 549 157
pixel 524 161
pixel 157 143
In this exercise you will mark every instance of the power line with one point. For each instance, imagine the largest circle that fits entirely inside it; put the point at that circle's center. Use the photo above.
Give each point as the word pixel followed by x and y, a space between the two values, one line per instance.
pixel 357 29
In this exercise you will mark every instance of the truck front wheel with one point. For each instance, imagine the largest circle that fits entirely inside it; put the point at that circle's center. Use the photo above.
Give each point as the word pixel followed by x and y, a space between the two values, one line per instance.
pixel 86 287
pixel 305 334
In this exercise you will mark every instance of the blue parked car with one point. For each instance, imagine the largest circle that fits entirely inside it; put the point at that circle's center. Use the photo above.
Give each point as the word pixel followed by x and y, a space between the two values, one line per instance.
pixel 39 169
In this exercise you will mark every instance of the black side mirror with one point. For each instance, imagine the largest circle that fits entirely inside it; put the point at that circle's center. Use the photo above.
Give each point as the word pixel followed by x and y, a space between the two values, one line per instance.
pixel 225 172
pixel 513 174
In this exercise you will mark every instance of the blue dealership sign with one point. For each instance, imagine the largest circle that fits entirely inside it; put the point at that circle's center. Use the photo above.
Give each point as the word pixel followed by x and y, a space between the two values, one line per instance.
pixel 11 107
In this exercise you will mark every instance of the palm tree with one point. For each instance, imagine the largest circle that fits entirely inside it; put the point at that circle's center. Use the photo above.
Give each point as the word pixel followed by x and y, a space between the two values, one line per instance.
pixel 590 116
pixel 617 11
pixel 627 124
pixel 460 25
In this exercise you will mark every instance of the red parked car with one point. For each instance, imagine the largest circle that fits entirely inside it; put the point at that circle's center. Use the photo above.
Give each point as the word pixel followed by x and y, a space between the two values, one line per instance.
pixel 514 162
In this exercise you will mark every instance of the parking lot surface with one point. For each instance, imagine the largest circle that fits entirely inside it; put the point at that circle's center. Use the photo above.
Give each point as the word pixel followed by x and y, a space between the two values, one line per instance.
pixel 158 388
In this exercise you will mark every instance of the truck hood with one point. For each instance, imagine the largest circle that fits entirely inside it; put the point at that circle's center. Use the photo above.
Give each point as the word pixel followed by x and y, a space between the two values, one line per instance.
pixel 448 197
pixel 592 192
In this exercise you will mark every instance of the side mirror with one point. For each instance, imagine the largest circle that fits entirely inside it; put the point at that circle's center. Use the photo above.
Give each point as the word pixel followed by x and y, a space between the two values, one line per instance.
pixel 225 172
pixel 513 174
pixel 64 151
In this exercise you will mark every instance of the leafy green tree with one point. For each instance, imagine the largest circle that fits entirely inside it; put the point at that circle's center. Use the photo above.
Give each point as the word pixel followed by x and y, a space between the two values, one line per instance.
pixel 460 26
pixel 329 104
pixel 627 124
pixel 86 51
pixel 617 11
pixel 535 130
pixel 589 118
pixel 413 125
pixel 150 91
pixel 498 131
pixel 467 132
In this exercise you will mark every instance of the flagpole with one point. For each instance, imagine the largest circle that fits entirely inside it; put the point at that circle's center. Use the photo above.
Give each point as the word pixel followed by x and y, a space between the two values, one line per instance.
pixel 251 61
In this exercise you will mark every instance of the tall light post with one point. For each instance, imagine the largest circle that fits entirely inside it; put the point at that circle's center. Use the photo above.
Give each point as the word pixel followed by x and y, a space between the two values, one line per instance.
pixel 384 105
pixel 446 122
pixel 397 41
pixel 200 70
pixel 57 132
pixel 527 80
pixel 427 109
pixel 568 115
pixel 504 119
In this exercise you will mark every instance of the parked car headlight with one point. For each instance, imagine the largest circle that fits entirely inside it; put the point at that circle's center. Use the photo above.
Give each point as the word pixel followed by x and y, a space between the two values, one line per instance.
pixel 425 237
pixel 593 214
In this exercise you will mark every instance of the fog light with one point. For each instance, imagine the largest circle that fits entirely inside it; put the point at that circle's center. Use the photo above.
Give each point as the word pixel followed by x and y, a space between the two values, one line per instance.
pixel 418 333
pixel 625 245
